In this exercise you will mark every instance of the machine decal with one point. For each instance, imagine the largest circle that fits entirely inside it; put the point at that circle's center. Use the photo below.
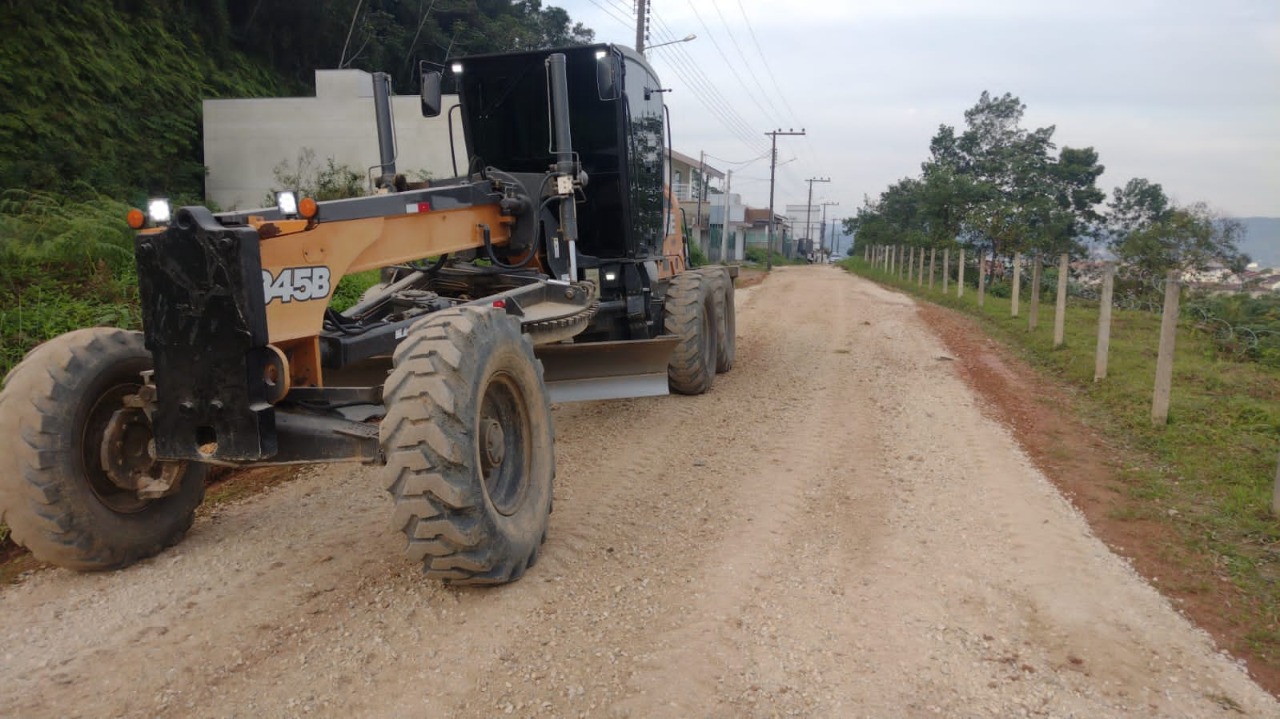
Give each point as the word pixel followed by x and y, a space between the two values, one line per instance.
pixel 296 283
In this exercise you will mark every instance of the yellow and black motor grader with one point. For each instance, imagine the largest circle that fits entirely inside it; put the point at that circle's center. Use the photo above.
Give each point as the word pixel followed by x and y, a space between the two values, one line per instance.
pixel 551 271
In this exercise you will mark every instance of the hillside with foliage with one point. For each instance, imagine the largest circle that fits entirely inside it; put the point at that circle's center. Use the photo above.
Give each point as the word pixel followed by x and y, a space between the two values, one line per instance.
pixel 105 97
pixel 101 108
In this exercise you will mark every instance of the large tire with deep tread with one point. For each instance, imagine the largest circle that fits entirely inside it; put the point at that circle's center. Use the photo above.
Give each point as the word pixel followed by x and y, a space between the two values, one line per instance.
pixel 473 501
pixel 726 318
pixel 690 315
pixel 54 494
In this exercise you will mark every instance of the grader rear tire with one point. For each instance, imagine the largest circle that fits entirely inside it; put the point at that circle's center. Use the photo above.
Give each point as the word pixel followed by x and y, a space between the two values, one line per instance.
pixel 690 315
pixel 56 496
pixel 468 439
pixel 726 318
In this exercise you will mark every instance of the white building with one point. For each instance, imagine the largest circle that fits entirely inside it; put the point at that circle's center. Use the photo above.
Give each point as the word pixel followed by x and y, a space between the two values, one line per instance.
pixel 246 139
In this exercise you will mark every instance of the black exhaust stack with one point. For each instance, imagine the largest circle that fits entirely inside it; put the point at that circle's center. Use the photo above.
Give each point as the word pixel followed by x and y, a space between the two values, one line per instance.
pixel 565 167
pixel 386 128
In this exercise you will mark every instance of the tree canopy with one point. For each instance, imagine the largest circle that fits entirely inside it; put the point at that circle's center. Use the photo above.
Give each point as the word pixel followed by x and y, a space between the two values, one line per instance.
pixel 998 186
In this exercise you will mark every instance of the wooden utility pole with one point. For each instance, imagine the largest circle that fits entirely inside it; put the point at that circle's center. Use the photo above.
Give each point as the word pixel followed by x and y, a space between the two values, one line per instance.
pixel 822 234
pixel 773 175
pixel 808 211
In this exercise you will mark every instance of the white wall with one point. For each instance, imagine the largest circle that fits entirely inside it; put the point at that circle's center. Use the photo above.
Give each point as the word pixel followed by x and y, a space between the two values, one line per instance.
pixel 244 140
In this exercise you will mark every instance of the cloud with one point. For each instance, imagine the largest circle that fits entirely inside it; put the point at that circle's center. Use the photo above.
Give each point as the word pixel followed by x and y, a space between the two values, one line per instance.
pixel 1185 93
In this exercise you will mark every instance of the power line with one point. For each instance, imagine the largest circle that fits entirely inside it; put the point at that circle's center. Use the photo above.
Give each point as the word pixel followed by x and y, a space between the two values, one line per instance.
pixel 707 86
pixel 767 67
pixel 734 38
pixel 728 63
pixel 706 94
pixel 609 10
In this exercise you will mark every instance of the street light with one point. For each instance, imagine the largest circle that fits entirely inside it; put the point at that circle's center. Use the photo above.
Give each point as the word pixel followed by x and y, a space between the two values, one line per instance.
pixel 686 38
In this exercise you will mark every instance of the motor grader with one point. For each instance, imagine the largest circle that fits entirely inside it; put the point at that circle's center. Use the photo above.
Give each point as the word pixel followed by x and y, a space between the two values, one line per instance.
pixel 551 270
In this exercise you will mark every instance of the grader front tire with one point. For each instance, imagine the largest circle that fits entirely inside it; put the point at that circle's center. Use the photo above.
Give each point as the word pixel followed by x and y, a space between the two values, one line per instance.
pixel 468 440
pixel 56 495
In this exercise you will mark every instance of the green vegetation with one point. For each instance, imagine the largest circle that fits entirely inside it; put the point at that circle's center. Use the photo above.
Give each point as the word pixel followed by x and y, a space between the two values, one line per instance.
pixel 997 188
pixel 757 255
pixel 64 264
pixel 1208 473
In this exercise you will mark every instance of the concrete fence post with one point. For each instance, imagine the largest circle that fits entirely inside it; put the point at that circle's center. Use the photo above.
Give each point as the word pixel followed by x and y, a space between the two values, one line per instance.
pixel 1060 309
pixel 1275 493
pixel 933 254
pixel 1104 323
pixel 946 268
pixel 902 262
pixel 920 270
pixel 1164 361
pixel 911 262
pixel 1017 283
pixel 1033 310
pixel 982 279
pixel 960 273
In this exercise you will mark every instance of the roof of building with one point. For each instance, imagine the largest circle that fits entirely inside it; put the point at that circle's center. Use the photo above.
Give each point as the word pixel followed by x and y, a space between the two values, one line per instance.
pixel 691 162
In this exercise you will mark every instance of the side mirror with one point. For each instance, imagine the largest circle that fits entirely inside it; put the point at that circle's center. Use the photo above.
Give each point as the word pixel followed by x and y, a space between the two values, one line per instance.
pixel 430 93
pixel 608 75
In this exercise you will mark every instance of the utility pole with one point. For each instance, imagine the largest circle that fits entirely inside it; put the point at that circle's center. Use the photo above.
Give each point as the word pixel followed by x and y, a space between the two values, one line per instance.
pixel 808 212
pixel 822 236
pixel 773 172
pixel 702 188
pixel 641 22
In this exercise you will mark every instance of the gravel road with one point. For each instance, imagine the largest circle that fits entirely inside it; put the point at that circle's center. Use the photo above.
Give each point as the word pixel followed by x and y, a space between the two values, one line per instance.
pixel 835 530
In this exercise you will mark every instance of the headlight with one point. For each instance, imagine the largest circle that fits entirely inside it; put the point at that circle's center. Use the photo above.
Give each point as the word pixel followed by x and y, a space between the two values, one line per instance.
pixel 158 210
pixel 287 202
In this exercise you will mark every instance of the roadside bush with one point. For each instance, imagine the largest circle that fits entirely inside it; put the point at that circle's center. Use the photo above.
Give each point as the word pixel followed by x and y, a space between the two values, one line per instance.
pixel 330 182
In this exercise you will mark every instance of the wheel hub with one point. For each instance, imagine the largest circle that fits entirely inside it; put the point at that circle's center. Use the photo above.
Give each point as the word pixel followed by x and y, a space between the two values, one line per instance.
pixel 502 444
pixel 495 442
pixel 128 456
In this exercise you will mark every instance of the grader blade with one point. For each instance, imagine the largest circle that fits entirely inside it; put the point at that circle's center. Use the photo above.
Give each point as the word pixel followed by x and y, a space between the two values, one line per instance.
pixel 606 370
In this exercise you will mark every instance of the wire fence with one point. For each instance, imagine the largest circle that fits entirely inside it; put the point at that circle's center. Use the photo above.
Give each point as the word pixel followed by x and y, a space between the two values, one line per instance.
pixel 1242 326
pixel 1243 323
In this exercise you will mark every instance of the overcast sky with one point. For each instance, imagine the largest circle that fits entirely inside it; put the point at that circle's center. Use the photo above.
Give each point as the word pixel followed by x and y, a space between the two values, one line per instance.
pixel 1185 93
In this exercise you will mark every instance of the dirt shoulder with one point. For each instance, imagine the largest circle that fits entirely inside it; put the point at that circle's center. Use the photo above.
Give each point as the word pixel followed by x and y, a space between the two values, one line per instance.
pixel 1044 417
